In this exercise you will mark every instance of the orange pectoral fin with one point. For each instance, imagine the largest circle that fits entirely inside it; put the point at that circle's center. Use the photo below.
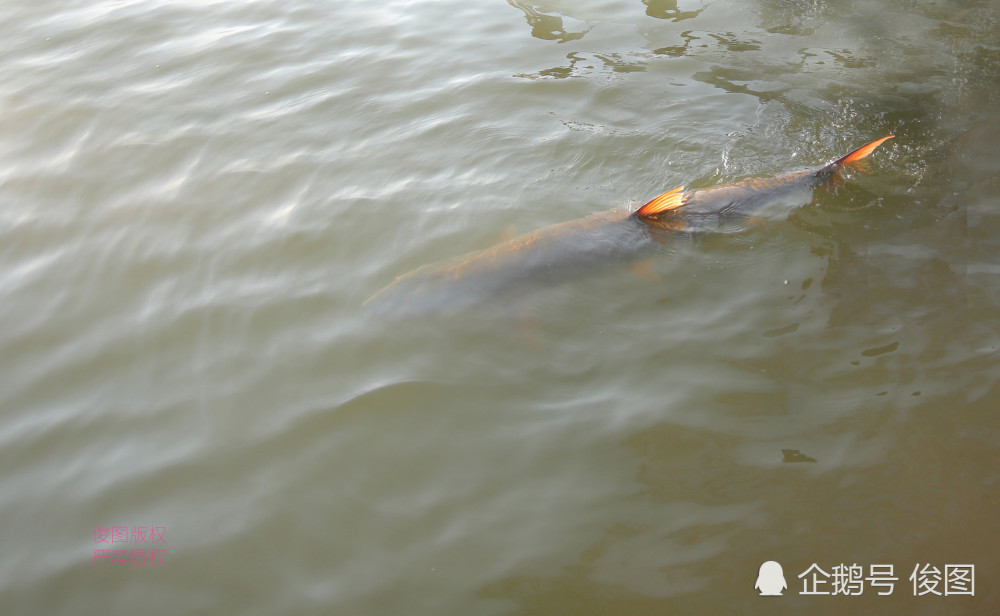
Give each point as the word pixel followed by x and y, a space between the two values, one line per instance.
pixel 664 203
pixel 863 151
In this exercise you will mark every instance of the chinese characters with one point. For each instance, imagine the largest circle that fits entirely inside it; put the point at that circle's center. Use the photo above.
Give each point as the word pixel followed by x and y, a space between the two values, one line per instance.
pixel 926 579
pixel 135 557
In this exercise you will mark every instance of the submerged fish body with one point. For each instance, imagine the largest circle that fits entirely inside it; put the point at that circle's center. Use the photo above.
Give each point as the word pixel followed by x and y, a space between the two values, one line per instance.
pixel 543 258
pixel 720 208
pixel 559 253
pixel 729 207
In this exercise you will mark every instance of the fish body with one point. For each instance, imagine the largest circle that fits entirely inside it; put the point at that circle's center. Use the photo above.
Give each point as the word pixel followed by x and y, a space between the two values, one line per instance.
pixel 719 208
pixel 727 207
pixel 558 253
pixel 539 259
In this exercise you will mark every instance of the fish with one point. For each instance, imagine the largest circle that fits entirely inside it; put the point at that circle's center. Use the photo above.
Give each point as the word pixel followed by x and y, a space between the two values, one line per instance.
pixel 618 237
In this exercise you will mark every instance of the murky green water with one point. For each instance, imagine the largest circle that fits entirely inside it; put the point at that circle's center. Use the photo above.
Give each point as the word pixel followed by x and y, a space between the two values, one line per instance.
pixel 198 197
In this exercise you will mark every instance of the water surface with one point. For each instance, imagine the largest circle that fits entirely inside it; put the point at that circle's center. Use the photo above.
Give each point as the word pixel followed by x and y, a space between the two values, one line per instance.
pixel 199 196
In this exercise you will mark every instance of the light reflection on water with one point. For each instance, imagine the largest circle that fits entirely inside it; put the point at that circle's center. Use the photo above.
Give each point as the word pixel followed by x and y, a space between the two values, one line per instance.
pixel 199 197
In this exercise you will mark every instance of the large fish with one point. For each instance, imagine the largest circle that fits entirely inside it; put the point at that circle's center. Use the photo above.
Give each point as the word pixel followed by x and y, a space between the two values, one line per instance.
pixel 558 253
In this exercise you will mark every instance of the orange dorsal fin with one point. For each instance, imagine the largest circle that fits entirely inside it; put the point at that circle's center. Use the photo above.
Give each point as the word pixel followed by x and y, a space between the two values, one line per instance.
pixel 667 201
pixel 862 152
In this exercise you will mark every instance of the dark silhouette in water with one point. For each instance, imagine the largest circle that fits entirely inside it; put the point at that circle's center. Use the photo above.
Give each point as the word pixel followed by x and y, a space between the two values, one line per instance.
pixel 561 252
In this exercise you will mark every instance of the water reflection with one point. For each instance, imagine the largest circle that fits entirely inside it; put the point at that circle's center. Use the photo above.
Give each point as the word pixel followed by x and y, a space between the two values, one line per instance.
pixel 583 63
pixel 546 19
pixel 544 26
pixel 667 9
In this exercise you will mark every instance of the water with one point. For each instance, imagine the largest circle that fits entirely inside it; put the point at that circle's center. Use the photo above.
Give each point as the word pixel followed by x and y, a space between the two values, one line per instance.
pixel 199 196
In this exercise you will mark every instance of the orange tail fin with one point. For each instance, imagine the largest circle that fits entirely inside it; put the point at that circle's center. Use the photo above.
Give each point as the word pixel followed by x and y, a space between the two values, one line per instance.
pixel 862 152
pixel 667 201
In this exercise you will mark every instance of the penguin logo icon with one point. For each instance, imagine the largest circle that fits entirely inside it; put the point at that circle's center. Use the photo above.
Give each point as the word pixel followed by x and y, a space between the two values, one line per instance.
pixel 770 580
